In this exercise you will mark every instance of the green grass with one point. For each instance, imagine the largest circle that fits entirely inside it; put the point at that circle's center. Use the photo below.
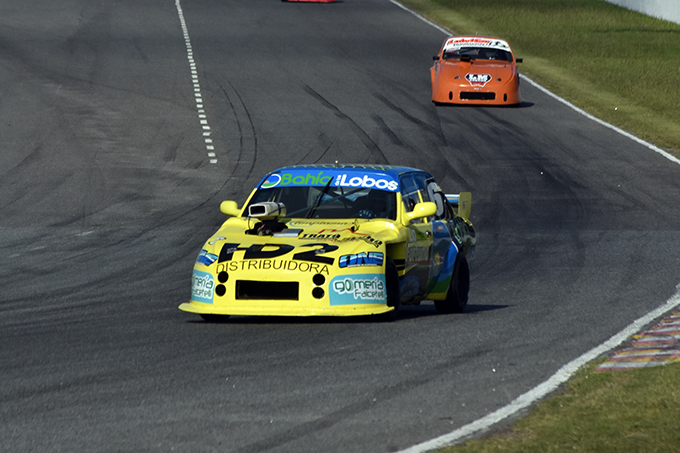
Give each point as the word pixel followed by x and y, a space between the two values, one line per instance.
pixel 621 66
pixel 614 411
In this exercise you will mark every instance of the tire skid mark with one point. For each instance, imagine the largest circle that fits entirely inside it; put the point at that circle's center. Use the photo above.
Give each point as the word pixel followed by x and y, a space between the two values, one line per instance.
pixel 202 117
pixel 436 131
pixel 358 131
pixel 438 139
pixel 324 141
pixel 243 138
pixel 393 138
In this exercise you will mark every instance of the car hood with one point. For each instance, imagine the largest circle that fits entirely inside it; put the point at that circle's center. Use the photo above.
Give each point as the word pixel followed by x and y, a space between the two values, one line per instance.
pixel 299 235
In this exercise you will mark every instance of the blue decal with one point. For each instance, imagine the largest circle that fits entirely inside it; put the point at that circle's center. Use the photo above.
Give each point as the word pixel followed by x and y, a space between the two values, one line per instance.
pixel 206 258
pixel 202 287
pixel 358 289
pixel 361 259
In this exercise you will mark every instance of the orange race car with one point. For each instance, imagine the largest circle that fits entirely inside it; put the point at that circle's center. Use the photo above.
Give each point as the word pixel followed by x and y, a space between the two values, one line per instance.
pixel 475 70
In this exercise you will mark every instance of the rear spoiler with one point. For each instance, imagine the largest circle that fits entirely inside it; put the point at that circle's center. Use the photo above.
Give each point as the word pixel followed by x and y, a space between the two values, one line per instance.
pixel 462 202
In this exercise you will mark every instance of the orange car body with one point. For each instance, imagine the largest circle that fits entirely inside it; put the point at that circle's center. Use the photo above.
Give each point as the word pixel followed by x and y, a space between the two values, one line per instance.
pixel 475 70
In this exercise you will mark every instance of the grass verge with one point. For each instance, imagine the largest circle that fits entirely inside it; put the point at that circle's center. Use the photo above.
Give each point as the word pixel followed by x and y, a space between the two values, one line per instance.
pixel 621 66
pixel 614 411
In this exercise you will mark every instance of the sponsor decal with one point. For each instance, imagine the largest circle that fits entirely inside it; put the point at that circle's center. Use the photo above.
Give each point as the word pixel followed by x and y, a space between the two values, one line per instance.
pixel 334 235
pixel 357 289
pixel 321 236
pixel 311 223
pixel 202 287
pixel 460 41
pixel 475 42
pixel 272 180
pixel 308 179
pixel 273 265
pixel 340 179
pixel 206 258
pixel 417 254
pixel 366 182
pixel 361 259
pixel 296 178
pixel 313 253
pixel 478 79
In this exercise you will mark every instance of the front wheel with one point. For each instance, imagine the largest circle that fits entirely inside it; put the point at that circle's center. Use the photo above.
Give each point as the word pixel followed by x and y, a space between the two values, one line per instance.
pixel 457 297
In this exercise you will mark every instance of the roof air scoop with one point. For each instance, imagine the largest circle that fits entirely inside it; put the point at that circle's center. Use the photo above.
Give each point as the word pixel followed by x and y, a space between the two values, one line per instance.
pixel 267 214
pixel 267 210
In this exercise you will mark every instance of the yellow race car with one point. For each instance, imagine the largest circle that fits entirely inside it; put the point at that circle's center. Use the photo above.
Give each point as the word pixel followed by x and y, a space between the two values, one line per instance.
pixel 324 240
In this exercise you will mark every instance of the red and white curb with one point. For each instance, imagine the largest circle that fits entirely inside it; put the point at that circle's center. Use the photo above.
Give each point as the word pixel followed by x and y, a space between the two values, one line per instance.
pixel 657 346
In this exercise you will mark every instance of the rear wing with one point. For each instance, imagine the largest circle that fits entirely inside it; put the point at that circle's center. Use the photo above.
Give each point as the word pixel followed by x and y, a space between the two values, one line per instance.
pixel 462 203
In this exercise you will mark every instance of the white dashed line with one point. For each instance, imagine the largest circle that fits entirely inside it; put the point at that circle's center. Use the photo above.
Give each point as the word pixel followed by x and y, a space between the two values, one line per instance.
pixel 202 117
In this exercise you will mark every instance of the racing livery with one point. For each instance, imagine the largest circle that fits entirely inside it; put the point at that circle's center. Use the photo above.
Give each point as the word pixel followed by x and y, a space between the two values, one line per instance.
pixel 337 241
pixel 475 70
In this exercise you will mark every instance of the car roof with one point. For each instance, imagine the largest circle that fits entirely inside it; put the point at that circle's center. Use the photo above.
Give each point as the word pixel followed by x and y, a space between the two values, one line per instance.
pixel 384 177
pixel 392 170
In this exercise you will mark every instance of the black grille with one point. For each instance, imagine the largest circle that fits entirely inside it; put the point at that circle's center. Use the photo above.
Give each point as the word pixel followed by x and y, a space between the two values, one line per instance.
pixel 476 95
pixel 249 289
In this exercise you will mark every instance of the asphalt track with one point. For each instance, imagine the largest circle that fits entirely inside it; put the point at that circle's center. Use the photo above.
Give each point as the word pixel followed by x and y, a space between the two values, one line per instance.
pixel 107 194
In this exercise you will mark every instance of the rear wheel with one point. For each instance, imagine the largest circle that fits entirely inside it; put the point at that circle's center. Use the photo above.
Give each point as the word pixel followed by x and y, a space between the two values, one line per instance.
pixel 457 297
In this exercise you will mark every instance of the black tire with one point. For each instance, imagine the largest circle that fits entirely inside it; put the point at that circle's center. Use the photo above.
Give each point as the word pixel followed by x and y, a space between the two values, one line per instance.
pixel 214 318
pixel 457 297
pixel 392 287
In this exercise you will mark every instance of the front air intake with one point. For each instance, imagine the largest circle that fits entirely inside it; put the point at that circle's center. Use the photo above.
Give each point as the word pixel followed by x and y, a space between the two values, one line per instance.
pixel 250 289
pixel 477 96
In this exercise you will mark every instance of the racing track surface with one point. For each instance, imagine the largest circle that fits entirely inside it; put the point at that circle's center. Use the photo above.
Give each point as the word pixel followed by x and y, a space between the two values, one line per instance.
pixel 107 194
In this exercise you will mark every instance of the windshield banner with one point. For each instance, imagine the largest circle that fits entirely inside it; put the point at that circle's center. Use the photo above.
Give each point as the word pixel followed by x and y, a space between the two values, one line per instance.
pixel 336 178
pixel 458 42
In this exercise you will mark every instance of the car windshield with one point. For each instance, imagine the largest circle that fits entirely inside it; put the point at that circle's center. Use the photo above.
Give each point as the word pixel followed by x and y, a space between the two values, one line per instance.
pixel 331 202
pixel 478 53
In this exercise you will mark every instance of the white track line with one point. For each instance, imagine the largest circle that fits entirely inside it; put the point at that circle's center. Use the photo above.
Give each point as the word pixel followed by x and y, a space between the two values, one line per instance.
pixel 563 374
pixel 202 117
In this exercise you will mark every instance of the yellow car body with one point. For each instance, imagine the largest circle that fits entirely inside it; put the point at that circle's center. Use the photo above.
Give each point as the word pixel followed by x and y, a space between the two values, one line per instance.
pixel 335 241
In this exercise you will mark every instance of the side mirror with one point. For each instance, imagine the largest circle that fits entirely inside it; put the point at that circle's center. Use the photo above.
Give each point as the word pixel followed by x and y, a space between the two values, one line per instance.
pixel 421 210
pixel 230 208
pixel 435 58
pixel 519 60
